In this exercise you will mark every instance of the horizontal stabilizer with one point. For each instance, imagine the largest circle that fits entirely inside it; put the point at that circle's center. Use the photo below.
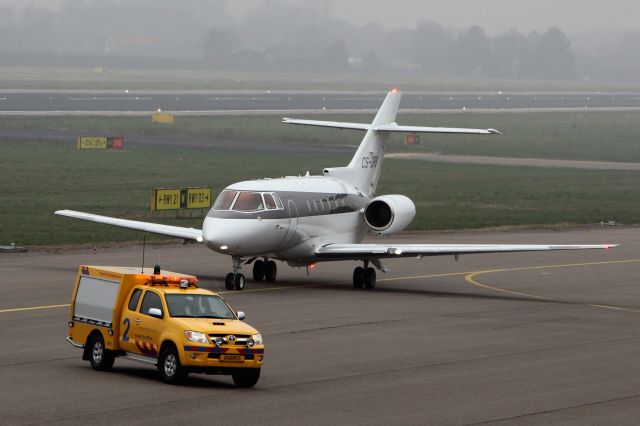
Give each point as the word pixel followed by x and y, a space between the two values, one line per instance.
pixel 360 251
pixel 388 127
pixel 156 228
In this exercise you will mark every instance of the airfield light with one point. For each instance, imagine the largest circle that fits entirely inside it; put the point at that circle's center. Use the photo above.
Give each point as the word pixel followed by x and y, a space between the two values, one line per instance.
pixel 159 109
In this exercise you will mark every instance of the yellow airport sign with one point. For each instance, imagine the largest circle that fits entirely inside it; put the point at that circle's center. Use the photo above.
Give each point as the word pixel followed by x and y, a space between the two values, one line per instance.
pixel 85 142
pixel 162 117
pixel 166 199
pixel 198 198
pixel 181 198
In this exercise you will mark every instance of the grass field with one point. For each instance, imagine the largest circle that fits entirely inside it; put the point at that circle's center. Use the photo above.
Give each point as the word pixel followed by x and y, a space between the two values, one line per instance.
pixel 39 178
pixel 590 135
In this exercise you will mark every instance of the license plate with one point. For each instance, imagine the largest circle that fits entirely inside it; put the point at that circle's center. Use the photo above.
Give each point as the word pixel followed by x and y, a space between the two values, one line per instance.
pixel 236 358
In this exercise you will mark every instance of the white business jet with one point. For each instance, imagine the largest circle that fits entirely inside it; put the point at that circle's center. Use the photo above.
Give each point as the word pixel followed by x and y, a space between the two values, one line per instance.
pixel 307 219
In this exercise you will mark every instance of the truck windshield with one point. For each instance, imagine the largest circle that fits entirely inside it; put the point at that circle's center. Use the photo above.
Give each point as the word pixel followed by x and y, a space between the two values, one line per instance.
pixel 197 306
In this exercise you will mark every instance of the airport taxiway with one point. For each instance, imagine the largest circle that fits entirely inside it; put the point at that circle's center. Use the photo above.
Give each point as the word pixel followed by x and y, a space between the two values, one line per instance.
pixel 526 338
pixel 125 102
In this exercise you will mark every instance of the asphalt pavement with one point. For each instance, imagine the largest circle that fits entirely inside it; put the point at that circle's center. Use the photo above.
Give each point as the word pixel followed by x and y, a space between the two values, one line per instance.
pixel 527 338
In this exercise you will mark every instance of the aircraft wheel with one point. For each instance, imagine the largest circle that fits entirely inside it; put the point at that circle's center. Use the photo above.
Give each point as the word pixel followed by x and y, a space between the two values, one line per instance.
pixel 270 271
pixel 238 282
pixel 358 277
pixel 258 270
pixel 228 281
pixel 369 278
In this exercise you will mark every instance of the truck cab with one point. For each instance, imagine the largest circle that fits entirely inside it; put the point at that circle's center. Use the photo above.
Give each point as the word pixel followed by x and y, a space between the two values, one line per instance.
pixel 162 319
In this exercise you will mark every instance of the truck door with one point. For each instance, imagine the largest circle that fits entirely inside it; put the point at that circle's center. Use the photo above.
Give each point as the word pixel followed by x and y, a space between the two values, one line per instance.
pixel 146 325
pixel 129 314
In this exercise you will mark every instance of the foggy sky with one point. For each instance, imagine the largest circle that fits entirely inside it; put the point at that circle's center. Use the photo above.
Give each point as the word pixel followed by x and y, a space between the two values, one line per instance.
pixel 495 16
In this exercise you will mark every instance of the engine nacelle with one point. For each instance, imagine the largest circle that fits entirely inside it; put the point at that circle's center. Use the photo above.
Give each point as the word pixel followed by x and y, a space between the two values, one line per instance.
pixel 388 214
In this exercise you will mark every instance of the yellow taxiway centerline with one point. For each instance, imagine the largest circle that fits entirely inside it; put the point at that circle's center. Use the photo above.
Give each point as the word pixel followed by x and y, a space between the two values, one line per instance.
pixel 469 277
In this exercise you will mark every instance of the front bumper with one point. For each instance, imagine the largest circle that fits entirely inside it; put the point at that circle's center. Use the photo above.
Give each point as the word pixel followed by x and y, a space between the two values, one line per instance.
pixel 213 356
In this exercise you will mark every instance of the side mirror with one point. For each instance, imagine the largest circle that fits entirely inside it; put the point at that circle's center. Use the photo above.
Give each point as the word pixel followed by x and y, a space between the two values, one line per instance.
pixel 240 315
pixel 155 312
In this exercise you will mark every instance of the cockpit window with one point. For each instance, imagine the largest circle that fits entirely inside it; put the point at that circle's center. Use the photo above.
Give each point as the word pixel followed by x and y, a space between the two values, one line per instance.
pixel 269 202
pixel 248 202
pixel 224 200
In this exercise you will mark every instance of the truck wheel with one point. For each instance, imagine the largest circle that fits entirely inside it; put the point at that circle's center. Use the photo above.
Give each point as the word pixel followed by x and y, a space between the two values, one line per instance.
pixel 246 378
pixel 170 368
pixel 100 358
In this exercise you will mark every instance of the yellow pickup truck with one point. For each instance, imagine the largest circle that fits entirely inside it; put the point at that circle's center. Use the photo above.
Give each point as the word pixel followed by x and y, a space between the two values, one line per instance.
pixel 161 318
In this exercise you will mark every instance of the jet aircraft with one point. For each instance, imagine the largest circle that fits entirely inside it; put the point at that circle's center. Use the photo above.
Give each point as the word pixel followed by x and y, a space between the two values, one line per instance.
pixel 307 219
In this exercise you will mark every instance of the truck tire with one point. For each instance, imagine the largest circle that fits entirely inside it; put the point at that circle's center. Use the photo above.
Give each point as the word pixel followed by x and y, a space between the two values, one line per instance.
pixel 171 370
pixel 246 377
pixel 101 359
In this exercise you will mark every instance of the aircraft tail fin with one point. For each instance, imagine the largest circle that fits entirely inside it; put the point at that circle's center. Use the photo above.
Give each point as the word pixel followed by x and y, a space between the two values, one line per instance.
pixel 366 165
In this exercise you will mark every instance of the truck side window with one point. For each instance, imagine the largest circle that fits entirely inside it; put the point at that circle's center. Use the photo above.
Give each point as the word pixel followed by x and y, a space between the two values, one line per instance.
pixel 150 300
pixel 133 302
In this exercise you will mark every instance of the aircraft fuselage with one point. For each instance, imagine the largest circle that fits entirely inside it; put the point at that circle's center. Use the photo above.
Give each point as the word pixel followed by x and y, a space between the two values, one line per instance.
pixel 307 212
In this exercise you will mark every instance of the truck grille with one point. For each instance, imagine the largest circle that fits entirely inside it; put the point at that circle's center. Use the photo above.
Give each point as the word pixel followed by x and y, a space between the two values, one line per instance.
pixel 237 340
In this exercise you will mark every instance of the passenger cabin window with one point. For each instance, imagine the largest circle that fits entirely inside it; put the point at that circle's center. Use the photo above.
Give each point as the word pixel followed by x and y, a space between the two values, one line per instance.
pixel 150 300
pixel 248 202
pixel 269 201
pixel 133 302
pixel 224 200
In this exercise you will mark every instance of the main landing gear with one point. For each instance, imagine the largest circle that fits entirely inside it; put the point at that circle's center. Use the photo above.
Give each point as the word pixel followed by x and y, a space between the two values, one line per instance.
pixel 364 276
pixel 263 270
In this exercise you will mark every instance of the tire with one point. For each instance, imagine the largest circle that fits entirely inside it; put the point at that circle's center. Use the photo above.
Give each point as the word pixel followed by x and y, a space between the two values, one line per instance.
pixel 171 370
pixel 270 271
pixel 246 377
pixel 238 281
pixel 101 359
pixel 358 277
pixel 369 278
pixel 258 270
pixel 228 281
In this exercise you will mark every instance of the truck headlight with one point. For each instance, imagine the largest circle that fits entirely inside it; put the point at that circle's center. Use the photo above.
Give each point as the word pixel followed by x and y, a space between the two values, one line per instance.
pixel 256 339
pixel 196 336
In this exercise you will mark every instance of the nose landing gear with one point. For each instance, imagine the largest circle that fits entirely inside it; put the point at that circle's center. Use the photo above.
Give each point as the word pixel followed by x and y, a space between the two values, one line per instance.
pixel 235 280
pixel 364 276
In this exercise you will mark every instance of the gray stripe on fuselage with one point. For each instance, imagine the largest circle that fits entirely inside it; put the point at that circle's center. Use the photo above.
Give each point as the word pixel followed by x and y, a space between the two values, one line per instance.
pixel 308 204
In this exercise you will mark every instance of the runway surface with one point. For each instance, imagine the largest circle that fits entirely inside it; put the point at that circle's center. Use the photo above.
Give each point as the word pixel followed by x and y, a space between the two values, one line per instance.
pixel 217 102
pixel 500 339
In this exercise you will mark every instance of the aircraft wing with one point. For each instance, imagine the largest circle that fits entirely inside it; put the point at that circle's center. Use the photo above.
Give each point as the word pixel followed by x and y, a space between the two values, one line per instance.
pixel 333 124
pixel 388 127
pixel 156 228
pixel 420 129
pixel 363 251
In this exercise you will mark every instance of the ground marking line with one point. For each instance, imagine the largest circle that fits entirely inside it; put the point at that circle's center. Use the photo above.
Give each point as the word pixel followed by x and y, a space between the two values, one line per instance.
pixel 469 275
pixel 470 279
pixel 33 308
